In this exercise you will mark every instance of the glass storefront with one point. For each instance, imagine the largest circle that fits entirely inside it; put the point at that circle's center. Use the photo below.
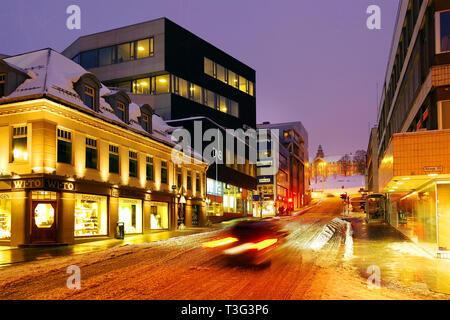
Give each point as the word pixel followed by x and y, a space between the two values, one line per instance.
pixel 91 215
pixel 159 215
pixel 130 213
pixel 5 216
pixel 414 215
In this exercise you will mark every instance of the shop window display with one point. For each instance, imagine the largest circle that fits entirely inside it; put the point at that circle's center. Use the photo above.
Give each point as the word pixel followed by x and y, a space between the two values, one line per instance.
pixel 159 215
pixel 130 213
pixel 5 216
pixel 90 215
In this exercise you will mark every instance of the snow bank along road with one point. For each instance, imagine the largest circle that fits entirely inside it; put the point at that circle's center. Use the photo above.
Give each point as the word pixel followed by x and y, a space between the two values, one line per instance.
pixel 310 265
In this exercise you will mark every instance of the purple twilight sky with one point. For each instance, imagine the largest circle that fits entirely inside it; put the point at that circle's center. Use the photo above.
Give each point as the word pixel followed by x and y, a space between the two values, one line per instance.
pixel 315 60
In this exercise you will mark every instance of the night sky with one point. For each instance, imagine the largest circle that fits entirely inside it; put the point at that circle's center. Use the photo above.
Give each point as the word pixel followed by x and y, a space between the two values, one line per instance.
pixel 315 60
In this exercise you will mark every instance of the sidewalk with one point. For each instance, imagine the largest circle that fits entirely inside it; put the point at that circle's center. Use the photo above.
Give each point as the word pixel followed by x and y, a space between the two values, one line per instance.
pixel 402 263
pixel 12 255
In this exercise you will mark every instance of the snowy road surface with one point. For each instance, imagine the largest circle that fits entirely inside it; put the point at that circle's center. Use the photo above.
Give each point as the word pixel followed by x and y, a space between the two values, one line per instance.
pixel 306 267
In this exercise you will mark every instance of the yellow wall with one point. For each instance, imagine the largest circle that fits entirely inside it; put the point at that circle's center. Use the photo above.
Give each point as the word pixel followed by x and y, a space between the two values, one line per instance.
pixel 417 150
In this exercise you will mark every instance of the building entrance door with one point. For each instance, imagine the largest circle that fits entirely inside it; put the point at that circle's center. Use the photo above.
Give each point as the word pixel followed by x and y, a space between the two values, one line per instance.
pixel 443 215
pixel 43 221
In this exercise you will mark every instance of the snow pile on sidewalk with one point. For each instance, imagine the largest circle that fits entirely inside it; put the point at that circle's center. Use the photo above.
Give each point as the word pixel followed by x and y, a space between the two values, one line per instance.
pixel 328 231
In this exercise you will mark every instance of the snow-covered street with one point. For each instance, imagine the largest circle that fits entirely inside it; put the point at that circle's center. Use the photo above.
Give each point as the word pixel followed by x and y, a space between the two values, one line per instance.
pixel 314 263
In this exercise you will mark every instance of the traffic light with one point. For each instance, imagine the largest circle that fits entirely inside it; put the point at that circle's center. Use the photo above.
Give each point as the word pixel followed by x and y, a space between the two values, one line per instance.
pixel 344 196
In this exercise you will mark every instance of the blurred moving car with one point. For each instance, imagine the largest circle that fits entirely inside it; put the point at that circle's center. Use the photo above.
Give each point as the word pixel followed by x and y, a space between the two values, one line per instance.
pixel 250 242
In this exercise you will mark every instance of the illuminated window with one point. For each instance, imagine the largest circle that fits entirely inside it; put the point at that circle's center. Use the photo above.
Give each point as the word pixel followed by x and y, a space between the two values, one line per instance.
pixel 89 96
pixel 209 67
pixel 162 84
pixel 443 31
pixel 141 86
pixel 19 144
pixel 233 79
pixel 221 103
pixel 159 215
pixel 163 172
pixel 133 164
pixel 121 110
pixel 5 216
pixel 195 93
pixel 209 98
pixel 91 153
pixel 91 215
pixel 183 88
pixel 149 169
pixel 64 146
pixel 2 84
pixel 189 180
pixel 251 88
pixel 44 215
pixel 143 48
pixel 221 73
pixel 243 84
pixel 130 213
pixel 114 159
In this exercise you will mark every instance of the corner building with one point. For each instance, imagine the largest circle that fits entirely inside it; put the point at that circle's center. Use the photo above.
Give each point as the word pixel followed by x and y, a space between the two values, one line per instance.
pixel 76 158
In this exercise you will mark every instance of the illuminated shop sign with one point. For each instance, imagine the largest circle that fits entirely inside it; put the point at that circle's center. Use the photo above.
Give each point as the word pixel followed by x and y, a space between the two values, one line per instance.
pixel 265 180
pixel 43 183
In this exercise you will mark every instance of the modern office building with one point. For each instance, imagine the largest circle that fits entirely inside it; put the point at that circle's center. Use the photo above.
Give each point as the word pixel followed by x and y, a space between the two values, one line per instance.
pixel 413 121
pixel 184 79
pixel 293 167
pixel 77 158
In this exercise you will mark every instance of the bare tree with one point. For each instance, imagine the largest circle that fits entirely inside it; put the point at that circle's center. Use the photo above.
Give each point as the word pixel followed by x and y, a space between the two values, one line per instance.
pixel 361 161
pixel 345 163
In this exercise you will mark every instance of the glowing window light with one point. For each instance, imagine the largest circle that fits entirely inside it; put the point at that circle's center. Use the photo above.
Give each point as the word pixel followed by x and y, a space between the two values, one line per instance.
pixel 141 48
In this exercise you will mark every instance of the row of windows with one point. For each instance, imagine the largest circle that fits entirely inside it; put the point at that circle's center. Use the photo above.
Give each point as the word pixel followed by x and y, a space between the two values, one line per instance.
pixel 418 68
pixel 229 77
pixel 64 155
pixel 170 83
pixel 115 54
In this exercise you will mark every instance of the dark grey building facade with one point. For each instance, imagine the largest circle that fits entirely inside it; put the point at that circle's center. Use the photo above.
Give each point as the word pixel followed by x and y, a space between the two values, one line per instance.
pixel 182 77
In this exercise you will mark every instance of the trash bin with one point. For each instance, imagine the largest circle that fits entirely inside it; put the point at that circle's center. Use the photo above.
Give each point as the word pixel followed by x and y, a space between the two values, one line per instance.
pixel 120 230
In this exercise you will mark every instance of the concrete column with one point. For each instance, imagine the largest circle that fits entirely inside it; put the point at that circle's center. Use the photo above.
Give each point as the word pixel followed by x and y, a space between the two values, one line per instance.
pixel 113 211
pixel 66 218
pixel 20 218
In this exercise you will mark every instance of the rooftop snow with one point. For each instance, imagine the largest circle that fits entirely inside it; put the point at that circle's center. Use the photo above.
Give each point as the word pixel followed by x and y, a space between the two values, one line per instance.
pixel 52 73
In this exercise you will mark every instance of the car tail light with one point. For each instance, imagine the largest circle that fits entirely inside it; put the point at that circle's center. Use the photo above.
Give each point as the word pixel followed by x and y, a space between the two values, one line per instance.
pixel 263 244
pixel 218 243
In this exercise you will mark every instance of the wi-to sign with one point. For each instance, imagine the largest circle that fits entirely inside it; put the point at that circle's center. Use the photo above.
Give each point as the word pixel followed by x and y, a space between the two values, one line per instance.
pixel 40 183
